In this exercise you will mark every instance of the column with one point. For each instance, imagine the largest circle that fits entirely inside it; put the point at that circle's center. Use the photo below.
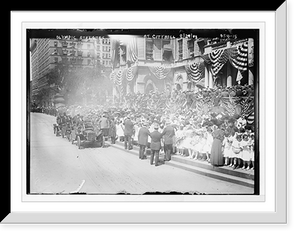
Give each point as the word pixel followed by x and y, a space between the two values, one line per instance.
pixel 229 76
pixel 210 79
pixel 206 75
pixel 250 77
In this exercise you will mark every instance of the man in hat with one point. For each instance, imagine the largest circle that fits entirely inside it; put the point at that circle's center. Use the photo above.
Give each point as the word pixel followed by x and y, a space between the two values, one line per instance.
pixel 128 132
pixel 155 144
pixel 104 128
pixel 168 136
pixel 143 140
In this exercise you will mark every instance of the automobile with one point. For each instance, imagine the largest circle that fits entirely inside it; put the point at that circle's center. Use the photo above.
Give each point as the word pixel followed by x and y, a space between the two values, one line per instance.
pixel 87 134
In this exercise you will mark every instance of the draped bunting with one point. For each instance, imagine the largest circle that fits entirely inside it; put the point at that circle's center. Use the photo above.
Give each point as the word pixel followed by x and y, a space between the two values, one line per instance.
pixel 237 56
pixel 195 71
pixel 241 59
pixel 160 72
pixel 131 72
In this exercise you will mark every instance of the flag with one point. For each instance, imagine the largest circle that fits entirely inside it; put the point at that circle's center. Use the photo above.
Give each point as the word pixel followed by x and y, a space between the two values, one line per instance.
pixel 115 59
pixel 239 77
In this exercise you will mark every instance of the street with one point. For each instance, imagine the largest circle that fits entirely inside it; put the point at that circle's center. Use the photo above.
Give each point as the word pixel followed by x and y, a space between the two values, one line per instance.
pixel 57 166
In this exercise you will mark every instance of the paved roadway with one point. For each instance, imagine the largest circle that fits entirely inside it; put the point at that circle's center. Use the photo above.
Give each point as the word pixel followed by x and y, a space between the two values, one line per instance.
pixel 57 166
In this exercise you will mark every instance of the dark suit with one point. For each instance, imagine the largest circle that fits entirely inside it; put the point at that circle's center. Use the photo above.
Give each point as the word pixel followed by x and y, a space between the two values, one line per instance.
pixel 168 135
pixel 155 146
pixel 143 141
pixel 128 132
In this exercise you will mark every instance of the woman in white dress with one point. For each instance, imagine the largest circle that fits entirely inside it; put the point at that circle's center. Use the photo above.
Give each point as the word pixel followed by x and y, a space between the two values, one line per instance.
pixel 208 144
pixel 246 143
pixel 227 147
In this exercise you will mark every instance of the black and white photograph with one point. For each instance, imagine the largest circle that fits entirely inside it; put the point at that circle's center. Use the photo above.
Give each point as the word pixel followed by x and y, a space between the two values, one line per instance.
pixel 142 111
pixel 141 117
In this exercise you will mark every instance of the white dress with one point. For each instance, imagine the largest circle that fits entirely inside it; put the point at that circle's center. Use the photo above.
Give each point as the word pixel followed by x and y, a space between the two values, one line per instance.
pixel 179 136
pixel 251 151
pixel 119 130
pixel 200 145
pixel 136 132
pixel 208 143
pixel 236 145
pixel 227 147
pixel 246 150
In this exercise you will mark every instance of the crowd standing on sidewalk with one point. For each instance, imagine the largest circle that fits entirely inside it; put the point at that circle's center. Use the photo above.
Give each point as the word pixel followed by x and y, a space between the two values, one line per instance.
pixel 214 137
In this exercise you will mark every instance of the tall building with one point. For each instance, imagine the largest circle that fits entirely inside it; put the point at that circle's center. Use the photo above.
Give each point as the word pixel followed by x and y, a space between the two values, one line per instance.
pixel 47 53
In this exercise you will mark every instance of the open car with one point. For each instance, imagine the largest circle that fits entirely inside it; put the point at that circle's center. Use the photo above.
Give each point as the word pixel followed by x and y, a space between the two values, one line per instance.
pixel 87 133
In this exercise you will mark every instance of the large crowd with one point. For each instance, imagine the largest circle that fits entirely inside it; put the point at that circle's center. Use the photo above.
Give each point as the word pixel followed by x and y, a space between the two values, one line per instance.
pixel 174 124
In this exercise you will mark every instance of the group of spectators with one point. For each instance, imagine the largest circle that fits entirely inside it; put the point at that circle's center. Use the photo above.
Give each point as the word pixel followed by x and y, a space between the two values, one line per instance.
pixel 170 124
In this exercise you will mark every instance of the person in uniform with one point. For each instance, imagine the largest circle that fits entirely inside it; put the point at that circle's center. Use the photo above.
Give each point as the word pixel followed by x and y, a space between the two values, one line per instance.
pixel 168 136
pixel 155 144
pixel 128 132
pixel 143 140
pixel 104 128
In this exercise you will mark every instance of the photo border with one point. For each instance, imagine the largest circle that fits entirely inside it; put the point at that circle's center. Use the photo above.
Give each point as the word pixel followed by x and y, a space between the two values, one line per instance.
pixel 147 217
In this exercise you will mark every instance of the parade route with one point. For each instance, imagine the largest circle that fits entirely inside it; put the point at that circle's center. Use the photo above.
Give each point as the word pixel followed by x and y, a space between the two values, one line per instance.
pixel 57 166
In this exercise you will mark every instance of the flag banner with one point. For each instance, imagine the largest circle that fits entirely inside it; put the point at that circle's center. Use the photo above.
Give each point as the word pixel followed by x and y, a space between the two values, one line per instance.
pixel 132 50
pixel 119 76
pixel 195 71
pixel 239 76
pixel 160 72
pixel 131 72
pixel 239 57
pixel 219 63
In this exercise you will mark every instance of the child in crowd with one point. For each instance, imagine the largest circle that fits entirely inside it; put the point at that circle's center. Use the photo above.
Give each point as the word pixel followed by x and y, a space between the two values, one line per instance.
pixel 245 154
pixel 200 145
pixel 251 153
pixel 120 130
pixel 193 146
pixel 227 147
pixel 209 140
pixel 237 150
pixel 137 127
pixel 186 144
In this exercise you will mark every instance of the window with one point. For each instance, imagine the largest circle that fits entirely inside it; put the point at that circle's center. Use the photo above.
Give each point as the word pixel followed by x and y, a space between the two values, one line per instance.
pixel 180 50
pixel 191 47
pixel 149 49
pixel 55 43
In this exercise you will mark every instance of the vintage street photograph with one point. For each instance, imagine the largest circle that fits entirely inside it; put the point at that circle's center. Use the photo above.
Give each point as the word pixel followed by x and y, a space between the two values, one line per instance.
pixel 142 111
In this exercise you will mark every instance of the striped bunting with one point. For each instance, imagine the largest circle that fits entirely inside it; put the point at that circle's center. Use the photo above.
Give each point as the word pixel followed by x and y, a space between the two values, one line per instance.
pixel 218 64
pixel 131 72
pixel 160 72
pixel 240 61
pixel 195 71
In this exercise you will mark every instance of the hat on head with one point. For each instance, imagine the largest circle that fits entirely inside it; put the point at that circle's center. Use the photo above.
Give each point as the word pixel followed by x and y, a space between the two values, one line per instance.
pixel 156 126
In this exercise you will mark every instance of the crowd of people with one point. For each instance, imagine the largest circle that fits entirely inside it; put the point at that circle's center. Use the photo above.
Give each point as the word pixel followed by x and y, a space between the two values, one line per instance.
pixel 154 121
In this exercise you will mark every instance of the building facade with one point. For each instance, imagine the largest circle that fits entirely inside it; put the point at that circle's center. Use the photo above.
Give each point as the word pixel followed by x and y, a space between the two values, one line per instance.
pixel 153 64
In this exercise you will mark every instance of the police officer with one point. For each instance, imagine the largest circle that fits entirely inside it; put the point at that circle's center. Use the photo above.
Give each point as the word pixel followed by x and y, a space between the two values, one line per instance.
pixel 143 140
pixel 128 132
pixel 168 137
pixel 155 144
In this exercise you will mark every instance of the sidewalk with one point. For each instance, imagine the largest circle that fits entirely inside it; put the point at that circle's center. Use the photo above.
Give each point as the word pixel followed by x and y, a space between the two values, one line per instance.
pixel 237 176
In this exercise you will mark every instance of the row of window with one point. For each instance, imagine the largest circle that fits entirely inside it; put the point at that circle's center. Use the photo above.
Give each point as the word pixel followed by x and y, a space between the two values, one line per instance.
pixel 80 61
